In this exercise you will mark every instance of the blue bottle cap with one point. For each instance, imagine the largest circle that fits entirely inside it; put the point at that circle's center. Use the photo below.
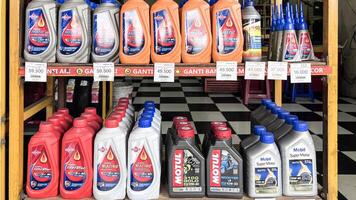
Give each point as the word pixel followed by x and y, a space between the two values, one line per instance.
pixel 302 24
pixel 276 110
pixel 259 130
pixel 269 106
pixel 106 1
pixel 149 108
pixel 265 101
pixel 288 23
pixel 296 18
pixel 280 22
pixel 212 2
pixel 283 114
pixel 300 126
pixel 147 115
pixel 248 3
pixel 267 138
pixel 291 13
pixel 60 2
pixel 149 103
pixel 150 111
pixel 144 122
pixel 290 119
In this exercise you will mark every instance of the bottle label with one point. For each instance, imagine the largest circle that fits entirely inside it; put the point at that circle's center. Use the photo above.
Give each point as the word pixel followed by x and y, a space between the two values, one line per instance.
pixel 227 36
pixel 305 45
pixel 266 175
pixel 71 33
pixel 108 169
pixel 75 171
pixel 252 36
pixel 164 35
pixel 186 172
pixel 133 36
pixel 224 172
pixel 70 91
pixel 291 46
pixel 40 169
pixel 103 34
pixel 38 34
pixel 141 172
pixel 95 89
pixel 196 39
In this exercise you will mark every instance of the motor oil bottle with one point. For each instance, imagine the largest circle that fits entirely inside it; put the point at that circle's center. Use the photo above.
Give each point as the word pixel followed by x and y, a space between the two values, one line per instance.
pixel 271 118
pixel 43 163
pixel 305 42
pixel 65 111
pixel 41 31
pixel 272 33
pixel 77 161
pixel 156 126
pixel 248 142
pixel 224 167
pixel 208 136
pixel 127 110
pixel 172 133
pixel 127 101
pixel 74 32
pixel 278 122
pixel 91 121
pixel 65 123
pixel 260 116
pixel 92 111
pixel 279 41
pixel 144 162
pixel 122 116
pixel 57 126
pixel 286 127
pixel 122 124
pixel 135 28
pixel 299 162
pixel 251 23
pixel 260 109
pixel 263 166
pixel 196 32
pixel 106 32
pixel 149 104
pixel 165 32
pixel 227 33
pixel 290 52
pixel 110 170
pixel 185 163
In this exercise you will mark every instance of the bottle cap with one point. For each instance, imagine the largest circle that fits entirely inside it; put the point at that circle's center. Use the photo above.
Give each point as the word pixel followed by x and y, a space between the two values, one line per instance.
pixel 291 13
pixel 120 111
pixel 63 110
pixel 283 114
pixel 80 122
pixel 271 105
pixel 123 106
pixel 177 119
pixel 91 110
pixel 46 127
pixel 150 108
pixel 248 3
pixel 296 18
pixel 111 122
pixel 267 138
pixel 144 122
pixel 186 132
pixel 302 24
pixel 106 1
pixel 300 126
pixel 180 124
pixel 152 112
pixel 289 25
pixel 118 116
pixel 276 110
pixel 89 117
pixel 147 115
pixel 222 133
pixel 259 130
pixel 265 101
pixel 60 115
pixel 149 103
pixel 280 26
pixel 291 118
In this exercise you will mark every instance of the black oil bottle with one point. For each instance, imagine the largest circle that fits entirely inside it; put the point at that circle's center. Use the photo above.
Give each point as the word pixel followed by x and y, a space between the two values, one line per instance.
pixel 209 135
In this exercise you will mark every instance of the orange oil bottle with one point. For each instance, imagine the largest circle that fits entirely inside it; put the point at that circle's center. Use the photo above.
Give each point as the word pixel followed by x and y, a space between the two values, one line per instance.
pixel 227 31
pixel 165 32
pixel 196 32
pixel 135 32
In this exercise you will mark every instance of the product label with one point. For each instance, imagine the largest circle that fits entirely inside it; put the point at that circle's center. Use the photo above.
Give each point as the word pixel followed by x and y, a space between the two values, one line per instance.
pixel 103 34
pixel 196 39
pixel 38 34
pixel 305 45
pixel 227 35
pixel 141 171
pixel 252 36
pixel 224 172
pixel 164 35
pixel 40 169
pixel 71 33
pixel 75 171
pixel 108 169
pixel 186 172
pixel 291 46
pixel 266 174
pixel 133 36
pixel 95 88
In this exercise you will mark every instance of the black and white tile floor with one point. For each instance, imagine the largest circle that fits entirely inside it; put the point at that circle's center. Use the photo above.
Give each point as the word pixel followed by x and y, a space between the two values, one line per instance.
pixel 186 97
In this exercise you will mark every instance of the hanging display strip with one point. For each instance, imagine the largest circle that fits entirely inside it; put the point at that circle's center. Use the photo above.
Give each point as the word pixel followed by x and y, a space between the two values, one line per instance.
pixel 181 70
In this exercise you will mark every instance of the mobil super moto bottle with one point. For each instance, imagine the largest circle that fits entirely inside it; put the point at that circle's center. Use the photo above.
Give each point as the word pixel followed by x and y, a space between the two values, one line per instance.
pixel 254 138
pixel 224 167
pixel 41 31
pixel 74 32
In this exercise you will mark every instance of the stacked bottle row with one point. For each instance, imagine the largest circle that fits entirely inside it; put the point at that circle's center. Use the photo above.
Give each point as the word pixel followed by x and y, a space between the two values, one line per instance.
pixel 194 33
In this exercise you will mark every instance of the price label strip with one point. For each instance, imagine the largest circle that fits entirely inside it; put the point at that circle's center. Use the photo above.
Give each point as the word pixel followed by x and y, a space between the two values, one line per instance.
pixel 104 71
pixel 164 72
pixel 277 70
pixel 255 70
pixel 300 73
pixel 35 72
pixel 226 71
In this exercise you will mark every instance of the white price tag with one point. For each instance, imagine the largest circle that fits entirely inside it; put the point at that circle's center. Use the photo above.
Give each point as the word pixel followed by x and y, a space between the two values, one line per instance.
pixel 104 71
pixel 35 72
pixel 255 70
pixel 277 70
pixel 226 71
pixel 300 73
pixel 163 72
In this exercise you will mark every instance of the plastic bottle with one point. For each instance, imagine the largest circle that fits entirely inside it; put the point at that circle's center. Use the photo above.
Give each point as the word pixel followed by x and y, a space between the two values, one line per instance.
pixel 165 32
pixel 43 163
pixel 56 124
pixel 260 116
pixel 286 127
pixel 272 32
pixel 124 117
pixel 196 32
pixel 144 162
pixel 185 163
pixel 251 24
pixel 122 124
pixel 278 122
pixel 92 111
pixel 149 105
pixel 290 45
pixel 92 122
pixel 65 111
pixel 77 161
pixel 110 169
pixel 65 123
pixel 127 110
pixel 208 136
pixel 299 162
pixel 263 164
pixel 262 108
pixel 227 33
pixel 305 43
pixel 224 167
pixel 74 34
pixel 279 41
pixel 135 28
pixel 248 142
pixel 128 101
pixel 270 118
pixel 41 31
pixel 106 32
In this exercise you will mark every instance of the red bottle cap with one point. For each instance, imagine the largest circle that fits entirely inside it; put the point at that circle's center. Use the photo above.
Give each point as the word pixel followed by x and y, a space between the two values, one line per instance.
pixel 91 110
pixel 111 123
pixel 124 99
pixel 180 124
pixel 177 119
pixel 213 125
pixel 186 132
pixel 64 111
pixel 61 115
pixel 89 117
pixel 80 122
pixel 118 116
pixel 222 133
pixel 46 127
pixel 56 122
pixel 122 106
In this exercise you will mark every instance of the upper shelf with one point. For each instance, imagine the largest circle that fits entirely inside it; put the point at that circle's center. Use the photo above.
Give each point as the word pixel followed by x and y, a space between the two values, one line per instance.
pixel 134 70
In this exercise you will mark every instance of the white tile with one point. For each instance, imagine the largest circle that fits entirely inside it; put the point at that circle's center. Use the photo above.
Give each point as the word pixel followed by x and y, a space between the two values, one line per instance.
pixel 293 107
pixel 192 89
pixel 136 84
pixel 193 80
pixel 343 131
pixel 165 126
pixel 220 95
pixel 147 80
pixel 232 107
pixel 344 117
pixel 241 128
pixel 170 85
pixel 172 94
pixel 174 107
pixel 347 107
pixel 141 100
pixel 199 100
pixel 350 100
pixel 235 139
pixel 318 143
pixel 319 113
pixel 347 185
pixel 316 127
pixel 351 154
pixel 149 89
pixel 307 101
pixel 207 116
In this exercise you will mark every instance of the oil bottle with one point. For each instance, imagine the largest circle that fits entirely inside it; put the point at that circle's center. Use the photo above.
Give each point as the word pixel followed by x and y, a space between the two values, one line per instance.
pixel 286 127
pixel 290 45
pixel 305 43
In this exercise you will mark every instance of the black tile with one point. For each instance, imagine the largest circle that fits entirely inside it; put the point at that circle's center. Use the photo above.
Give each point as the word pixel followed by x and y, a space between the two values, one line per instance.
pixel 150 85
pixel 138 107
pixel 173 100
pixel 347 143
pixel 242 137
pixel 168 116
pixel 171 89
pixel 341 196
pixel 195 94
pixel 308 116
pixel 237 116
pixel 343 101
pixel 202 127
pixel 345 164
pixel 352 113
pixel 135 88
pixel 191 84
pixel 314 107
pixel 225 100
pixel 203 107
pixel 148 94
pixel 350 126
pixel 252 107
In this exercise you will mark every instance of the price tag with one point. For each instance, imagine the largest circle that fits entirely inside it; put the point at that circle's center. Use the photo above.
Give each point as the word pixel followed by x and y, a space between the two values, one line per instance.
pixel 35 72
pixel 104 71
pixel 255 70
pixel 300 73
pixel 163 72
pixel 277 70
pixel 226 71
